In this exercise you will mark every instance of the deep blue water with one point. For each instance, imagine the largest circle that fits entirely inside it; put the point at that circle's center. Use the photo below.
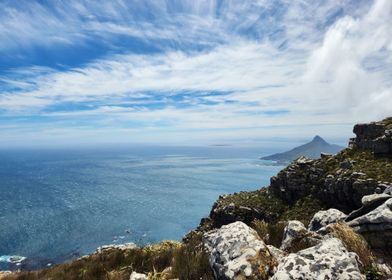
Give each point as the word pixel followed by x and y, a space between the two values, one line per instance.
pixel 56 205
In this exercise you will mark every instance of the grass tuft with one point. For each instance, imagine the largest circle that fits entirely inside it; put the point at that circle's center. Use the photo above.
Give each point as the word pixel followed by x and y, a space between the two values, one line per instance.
pixel 354 243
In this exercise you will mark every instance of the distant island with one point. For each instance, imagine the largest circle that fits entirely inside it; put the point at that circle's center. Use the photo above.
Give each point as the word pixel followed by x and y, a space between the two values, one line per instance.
pixel 312 150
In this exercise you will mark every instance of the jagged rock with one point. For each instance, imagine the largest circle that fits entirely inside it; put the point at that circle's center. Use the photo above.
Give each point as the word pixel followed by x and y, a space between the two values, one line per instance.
pixel 222 214
pixel 138 276
pixel 296 180
pixel 345 191
pixel 237 252
pixel 296 235
pixel 327 260
pixel 342 190
pixel 325 217
pixel 231 213
pixel 375 136
pixel 375 224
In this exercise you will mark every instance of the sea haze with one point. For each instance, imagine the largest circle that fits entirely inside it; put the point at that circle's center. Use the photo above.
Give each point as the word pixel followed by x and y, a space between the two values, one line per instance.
pixel 60 204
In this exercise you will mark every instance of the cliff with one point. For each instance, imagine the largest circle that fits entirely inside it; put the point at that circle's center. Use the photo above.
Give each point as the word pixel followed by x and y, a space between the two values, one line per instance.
pixel 329 218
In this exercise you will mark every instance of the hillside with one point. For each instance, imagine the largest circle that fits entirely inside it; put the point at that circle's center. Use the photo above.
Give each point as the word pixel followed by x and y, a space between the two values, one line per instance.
pixel 312 150
pixel 327 218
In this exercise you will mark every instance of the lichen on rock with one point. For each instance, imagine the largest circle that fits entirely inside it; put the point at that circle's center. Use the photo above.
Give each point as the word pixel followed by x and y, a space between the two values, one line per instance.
pixel 327 260
pixel 237 252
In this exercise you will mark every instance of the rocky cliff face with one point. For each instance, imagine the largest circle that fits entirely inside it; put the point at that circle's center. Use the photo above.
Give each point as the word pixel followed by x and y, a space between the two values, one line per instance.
pixel 355 186
pixel 341 181
pixel 376 136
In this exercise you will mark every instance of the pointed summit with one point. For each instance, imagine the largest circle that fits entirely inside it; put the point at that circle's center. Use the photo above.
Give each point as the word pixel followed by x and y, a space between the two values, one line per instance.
pixel 312 149
pixel 318 139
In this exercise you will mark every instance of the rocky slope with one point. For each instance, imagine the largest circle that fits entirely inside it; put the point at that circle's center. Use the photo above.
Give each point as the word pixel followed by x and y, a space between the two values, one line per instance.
pixel 329 218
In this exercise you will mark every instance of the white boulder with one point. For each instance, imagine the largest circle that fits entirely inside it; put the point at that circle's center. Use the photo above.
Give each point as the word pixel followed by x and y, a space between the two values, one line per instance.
pixel 237 252
pixel 327 260
pixel 324 218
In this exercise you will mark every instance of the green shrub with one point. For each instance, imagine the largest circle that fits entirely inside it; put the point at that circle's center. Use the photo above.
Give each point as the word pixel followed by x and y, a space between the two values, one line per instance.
pixel 372 273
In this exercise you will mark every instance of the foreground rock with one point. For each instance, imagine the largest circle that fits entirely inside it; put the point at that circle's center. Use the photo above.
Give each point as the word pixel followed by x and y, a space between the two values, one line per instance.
pixel 297 236
pixel 375 224
pixel 237 252
pixel 327 260
pixel 324 218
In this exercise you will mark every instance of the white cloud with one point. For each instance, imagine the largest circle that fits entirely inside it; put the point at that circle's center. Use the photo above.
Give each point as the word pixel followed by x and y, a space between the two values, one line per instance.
pixel 325 79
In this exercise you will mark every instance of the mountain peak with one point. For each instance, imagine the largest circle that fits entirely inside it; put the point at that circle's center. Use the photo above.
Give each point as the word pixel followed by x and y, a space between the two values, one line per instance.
pixel 318 138
pixel 312 149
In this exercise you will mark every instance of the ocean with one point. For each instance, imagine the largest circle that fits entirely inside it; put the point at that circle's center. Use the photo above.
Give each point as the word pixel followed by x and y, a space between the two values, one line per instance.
pixel 57 205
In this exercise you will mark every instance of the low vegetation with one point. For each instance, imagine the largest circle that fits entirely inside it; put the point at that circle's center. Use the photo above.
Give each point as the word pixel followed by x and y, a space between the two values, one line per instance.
pixel 270 233
pixel 378 168
pixel 188 261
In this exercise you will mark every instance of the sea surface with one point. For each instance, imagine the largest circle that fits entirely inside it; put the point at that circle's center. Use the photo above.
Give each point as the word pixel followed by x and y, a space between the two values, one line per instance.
pixel 57 205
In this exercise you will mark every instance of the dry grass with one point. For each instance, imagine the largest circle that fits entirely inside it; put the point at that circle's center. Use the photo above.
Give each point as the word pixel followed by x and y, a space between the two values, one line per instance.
pixel 113 264
pixel 188 261
pixel 191 261
pixel 354 243
pixel 270 233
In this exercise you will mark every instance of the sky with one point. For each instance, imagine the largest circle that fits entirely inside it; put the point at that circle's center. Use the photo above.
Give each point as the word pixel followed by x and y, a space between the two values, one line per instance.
pixel 191 72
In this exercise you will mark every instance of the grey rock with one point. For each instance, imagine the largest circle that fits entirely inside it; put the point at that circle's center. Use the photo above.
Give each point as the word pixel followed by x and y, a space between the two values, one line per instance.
pixel 374 198
pixel 296 232
pixel 388 190
pixel 374 136
pixel 325 155
pixel 347 164
pixel 327 260
pixel 325 217
pixel 303 161
pixel 125 246
pixel 237 251
pixel 369 203
pixel 375 225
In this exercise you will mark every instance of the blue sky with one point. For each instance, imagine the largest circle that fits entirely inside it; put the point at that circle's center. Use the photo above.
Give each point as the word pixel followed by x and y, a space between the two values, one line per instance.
pixel 191 72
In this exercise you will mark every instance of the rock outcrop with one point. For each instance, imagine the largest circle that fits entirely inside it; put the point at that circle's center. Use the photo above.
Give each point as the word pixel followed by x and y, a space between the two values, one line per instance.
pixel 343 189
pixel 237 252
pixel 327 260
pixel 324 218
pixel 297 180
pixel 223 215
pixel 295 235
pixel 226 213
pixel 374 221
pixel 376 136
